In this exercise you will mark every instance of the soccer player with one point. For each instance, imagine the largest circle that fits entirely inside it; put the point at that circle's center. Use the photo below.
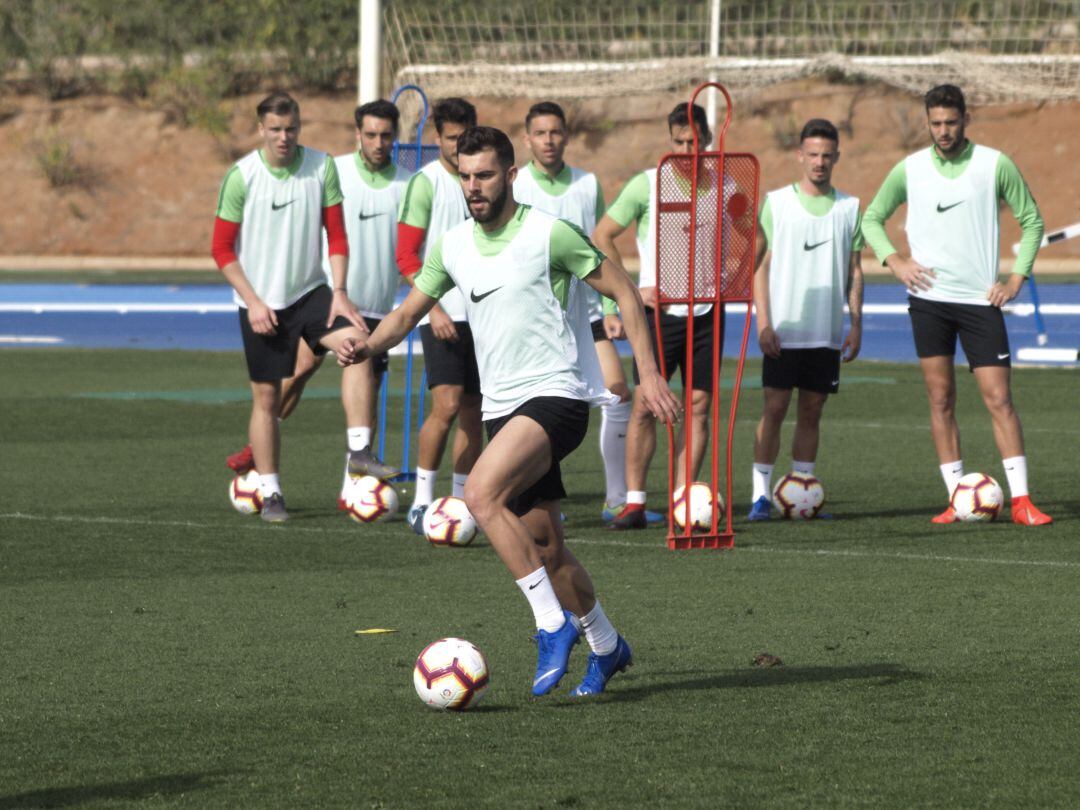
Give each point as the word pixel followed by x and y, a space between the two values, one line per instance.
pixel 433 204
pixel 812 235
pixel 516 263
pixel 952 191
pixel 636 203
pixel 272 208
pixel 548 184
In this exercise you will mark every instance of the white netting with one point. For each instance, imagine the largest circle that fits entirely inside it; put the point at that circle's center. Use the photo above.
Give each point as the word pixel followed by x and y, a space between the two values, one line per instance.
pixel 997 51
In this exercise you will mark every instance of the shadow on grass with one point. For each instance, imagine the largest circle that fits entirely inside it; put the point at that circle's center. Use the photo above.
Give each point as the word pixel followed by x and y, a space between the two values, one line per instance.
pixel 884 674
pixel 171 784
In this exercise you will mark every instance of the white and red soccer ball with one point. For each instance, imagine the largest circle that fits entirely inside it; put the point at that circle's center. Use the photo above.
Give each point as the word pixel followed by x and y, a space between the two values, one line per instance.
pixel 244 494
pixel 977 497
pixel 694 505
pixel 798 496
pixel 369 499
pixel 447 522
pixel 451 673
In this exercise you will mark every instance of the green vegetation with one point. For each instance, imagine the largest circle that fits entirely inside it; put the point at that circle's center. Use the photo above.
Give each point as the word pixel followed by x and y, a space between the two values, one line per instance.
pixel 159 649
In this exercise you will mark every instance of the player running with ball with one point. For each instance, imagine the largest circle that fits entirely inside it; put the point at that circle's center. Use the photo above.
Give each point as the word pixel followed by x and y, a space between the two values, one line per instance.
pixel 952 191
pixel 514 265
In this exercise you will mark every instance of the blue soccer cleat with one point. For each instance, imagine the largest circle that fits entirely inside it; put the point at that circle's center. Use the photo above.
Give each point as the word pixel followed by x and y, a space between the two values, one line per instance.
pixel 554 655
pixel 416 517
pixel 761 510
pixel 602 667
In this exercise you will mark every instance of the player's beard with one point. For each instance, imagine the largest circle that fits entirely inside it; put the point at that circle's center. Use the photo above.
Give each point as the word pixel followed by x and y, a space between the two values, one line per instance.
pixel 495 206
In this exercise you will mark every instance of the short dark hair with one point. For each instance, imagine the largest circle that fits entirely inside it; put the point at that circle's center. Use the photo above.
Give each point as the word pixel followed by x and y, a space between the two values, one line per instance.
pixel 678 118
pixel 544 108
pixel 819 128
pixel 476 139
pixel 946 95
pixel 277 103
pixel 455 111
pixel 380 108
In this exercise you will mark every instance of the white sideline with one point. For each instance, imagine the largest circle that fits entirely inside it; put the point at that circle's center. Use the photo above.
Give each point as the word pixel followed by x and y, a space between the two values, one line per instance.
pixel 257 525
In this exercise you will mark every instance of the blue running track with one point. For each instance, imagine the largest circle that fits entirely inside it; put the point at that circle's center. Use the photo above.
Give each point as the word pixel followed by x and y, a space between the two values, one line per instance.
pixel 204 317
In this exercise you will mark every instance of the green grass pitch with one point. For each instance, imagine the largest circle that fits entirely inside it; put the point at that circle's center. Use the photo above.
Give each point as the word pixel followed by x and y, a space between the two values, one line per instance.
pixel 158 649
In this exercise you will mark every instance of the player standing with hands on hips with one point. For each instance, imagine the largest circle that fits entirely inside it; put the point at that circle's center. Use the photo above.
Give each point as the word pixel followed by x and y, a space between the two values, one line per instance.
pixel 952 191
pixel 811 231
pixel 515 265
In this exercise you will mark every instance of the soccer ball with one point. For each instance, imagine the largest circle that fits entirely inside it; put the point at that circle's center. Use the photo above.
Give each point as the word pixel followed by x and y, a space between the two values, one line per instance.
pixel 447 522
pixel 244 494
pixel 367 499
pixel 977 497
pixel 700 505
pixel 450 673
pixel 798 496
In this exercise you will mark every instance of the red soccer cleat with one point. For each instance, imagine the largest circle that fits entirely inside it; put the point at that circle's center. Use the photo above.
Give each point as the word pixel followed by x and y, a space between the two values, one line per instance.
pixel 241 463
pixel 948 516
pixel 631 517
pixel 1026 513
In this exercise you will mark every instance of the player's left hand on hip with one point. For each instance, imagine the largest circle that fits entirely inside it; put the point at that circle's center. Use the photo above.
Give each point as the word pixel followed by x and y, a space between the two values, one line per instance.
pixel 1001 294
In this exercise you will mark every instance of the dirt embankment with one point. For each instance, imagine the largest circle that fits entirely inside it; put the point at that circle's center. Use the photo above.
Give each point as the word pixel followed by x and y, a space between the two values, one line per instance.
pixel 145 186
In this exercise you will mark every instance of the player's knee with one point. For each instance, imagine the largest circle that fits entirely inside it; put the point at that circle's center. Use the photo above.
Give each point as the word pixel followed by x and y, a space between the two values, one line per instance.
pixel 446 402
pixel 480 498
pixel 622 391
pixel 999 401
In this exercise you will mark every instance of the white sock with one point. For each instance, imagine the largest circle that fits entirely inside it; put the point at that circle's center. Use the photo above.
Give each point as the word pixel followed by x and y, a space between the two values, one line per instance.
pixel 1016 473
pixel 269 485
pixel 614 420
pixel 952 472
pixel 599 631
pixel 802 467
pixel 635 496
pixel 459 485
pixel 762 482
pixel 359 437
pixel 542 599
pixel 425 487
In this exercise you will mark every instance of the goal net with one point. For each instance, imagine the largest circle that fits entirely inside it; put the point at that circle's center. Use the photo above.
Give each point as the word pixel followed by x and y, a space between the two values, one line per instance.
pixel 1009 50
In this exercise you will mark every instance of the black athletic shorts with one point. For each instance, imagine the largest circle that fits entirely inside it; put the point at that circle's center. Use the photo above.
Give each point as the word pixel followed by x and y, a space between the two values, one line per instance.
pixel 450 363
pixel 379 362
pixel 598 332
pixel 273 357
pixel 673 330
pixel 815 370
pixel 981 329
pixel 565 421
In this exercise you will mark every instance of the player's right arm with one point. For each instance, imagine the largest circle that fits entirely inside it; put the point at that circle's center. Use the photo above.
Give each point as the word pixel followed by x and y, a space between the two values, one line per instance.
pixel 429 285
pixel 414 218
pixel 891 195
pixel 632 205
pixel 768 340
pixel 227 223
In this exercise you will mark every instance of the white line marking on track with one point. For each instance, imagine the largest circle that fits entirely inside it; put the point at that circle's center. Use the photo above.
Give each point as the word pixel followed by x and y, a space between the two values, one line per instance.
pixel 652 546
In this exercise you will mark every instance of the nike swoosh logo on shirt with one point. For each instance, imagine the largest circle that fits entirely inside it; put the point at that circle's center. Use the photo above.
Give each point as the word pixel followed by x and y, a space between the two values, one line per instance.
pixel 476 299
pixel 942 210
pixel 369 216
pixel 808 246
pixel 277 207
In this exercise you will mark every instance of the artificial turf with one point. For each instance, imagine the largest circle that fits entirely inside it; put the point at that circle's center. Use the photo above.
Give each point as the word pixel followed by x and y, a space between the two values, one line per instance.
pixel 160 649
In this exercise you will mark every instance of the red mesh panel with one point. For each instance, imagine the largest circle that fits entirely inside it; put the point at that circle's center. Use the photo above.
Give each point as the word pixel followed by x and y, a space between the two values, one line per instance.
pixel 724 228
